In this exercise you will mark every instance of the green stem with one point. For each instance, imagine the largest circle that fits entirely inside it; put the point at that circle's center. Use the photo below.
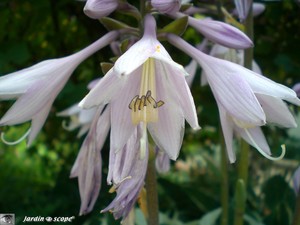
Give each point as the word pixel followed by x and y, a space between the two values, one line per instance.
pixel 296 219
pixel 241 186
pixel 224 183
pixel 151 188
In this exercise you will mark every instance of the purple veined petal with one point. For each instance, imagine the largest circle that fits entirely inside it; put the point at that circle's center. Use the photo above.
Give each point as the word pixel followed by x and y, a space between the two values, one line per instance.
pixel 97 9
pixel 276 111
pixel 121 122
pixel 242 7
pixel 138 53
pixel 178 85
pixel 227 128
pixel 258 8
pixel 257 135
pixel 296 180
pixel 30 103
pixel 168 131
pixel 221 33
pixel 86 115
pixel 105 90
pixel 103 126
pixel 37 122
pixel 89 179
pixel 228 85
pixel 166 6
pixel 262 85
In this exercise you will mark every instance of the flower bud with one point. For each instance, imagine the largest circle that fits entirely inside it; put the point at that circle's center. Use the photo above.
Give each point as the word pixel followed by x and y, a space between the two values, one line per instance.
pixel 166 6
pixel 96 9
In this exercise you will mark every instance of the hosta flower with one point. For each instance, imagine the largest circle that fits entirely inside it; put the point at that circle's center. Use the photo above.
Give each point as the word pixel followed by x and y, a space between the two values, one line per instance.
pixel 79 117
pixel 258 8
pixel 146 87
pixel 127 171
pixel 219 32
pixel 245 98
pixel 36 87
pixel 88 164
pixel 166 6
pixel 97 9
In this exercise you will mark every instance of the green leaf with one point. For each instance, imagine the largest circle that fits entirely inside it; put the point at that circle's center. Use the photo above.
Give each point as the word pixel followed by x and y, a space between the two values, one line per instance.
pixel 176 27
pixel 112 24
pixel 105 67
pixel 211 217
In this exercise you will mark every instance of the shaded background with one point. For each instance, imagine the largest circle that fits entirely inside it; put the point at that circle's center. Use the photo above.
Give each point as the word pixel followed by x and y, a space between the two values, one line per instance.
pixel 35 181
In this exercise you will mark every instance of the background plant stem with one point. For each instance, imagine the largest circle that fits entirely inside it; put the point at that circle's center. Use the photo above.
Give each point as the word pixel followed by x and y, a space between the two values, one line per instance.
pixel 151 188
pixel 224 182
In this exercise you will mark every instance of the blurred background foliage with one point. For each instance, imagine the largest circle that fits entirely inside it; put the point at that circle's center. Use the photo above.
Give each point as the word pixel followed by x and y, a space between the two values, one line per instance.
pixel 35 181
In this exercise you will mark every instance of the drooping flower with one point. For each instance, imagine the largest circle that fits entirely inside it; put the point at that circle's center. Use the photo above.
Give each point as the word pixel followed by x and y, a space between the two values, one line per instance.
pixel 257 9
pixel 219 32
pixel 146 86
pixel 127 171
pixel 36 87
pixel 79 117
pixel 246 99
pixel 88 164
pixel 97 9
pixel 166 6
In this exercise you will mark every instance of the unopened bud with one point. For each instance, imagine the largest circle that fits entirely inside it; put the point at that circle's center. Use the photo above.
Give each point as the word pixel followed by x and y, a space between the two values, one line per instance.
pixel 166 6
pixel 96 9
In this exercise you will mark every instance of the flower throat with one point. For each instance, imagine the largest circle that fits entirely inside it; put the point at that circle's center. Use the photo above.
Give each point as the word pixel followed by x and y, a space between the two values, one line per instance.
pixel 144 106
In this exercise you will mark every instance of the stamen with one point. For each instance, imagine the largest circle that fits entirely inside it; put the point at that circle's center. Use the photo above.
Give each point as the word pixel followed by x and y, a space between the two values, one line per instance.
pixel 17 141
pixel 115 186
pixel 263 153
pixel 159 104
pixel 131 104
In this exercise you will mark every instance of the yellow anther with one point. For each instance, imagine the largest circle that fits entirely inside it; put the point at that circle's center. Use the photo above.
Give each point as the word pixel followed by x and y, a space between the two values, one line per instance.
pixel 159 104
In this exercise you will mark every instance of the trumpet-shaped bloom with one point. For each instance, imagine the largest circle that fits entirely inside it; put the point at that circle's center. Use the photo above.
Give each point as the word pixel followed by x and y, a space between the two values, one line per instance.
pixel 247 98
pixel 127 171
pixel 146 86
pixel 219 32
pixel 36 87
pixel 97 9
pixel 88 164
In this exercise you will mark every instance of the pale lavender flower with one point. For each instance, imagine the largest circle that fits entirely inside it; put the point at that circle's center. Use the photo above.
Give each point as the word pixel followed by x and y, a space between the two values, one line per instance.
pixel 219 32
pixel 166 6
pixel 97 9
pixel 245 99
pixel 127 171
pixel 296 181
pixel 88 164
pixel 36 87
pixel 146 86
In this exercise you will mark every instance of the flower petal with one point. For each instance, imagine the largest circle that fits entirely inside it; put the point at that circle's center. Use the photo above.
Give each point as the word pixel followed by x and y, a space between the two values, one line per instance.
pixel 121 123
pixel 227 128
pixel 105 90
pixel 276 111
pixel 168 131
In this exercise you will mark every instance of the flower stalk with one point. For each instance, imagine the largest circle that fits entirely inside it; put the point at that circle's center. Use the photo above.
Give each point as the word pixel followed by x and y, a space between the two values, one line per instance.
pixel 151 189
pixel 244 157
